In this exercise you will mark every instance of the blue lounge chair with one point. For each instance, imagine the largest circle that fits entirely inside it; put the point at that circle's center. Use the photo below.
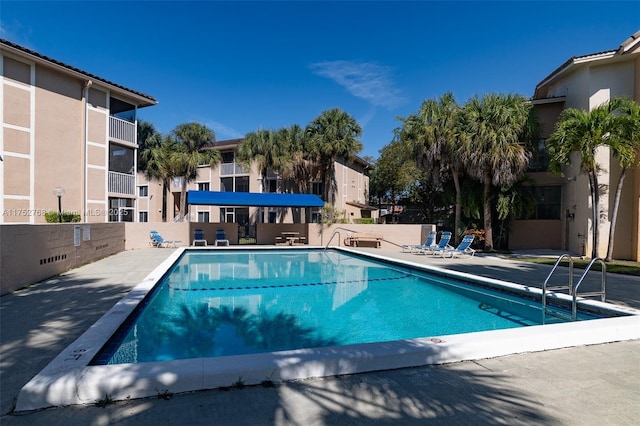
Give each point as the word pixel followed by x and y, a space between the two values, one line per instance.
pixel 221 238
pixel 442 244
pixel 158 241
pixel 198 238
pixel 430 241
pixel 463 248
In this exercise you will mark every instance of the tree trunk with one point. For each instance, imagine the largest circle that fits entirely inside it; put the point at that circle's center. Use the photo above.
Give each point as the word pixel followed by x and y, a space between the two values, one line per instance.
pixel 326 181
pixel 614 215
pixel 165 185
pixel 488 233
pixel 183 198
pixel 458 213
pixel 595 212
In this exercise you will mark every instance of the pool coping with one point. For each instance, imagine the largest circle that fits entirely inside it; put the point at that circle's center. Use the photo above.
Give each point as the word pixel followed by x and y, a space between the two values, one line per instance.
pixel 69 380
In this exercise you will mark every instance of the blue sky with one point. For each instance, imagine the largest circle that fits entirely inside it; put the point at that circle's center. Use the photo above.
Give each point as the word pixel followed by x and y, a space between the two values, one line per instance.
pixel 240 66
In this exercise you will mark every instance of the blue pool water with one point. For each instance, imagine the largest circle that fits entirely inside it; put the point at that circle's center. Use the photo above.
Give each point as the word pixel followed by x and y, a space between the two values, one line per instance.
pixel 220 303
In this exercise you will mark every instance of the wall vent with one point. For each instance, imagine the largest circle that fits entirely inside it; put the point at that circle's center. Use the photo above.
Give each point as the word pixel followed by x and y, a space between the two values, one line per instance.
pixel 52 259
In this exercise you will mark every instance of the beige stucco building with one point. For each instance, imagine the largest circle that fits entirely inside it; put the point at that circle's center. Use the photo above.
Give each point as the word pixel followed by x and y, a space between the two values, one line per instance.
pixel 563 218
pixel 350 198
pixel 64 128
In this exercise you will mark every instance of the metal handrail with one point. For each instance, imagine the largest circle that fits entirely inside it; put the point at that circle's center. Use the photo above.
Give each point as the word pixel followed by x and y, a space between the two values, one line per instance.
pixel 601 293
pixel 331 239
pixel 355 232
pixel 559 287
pixel 336 232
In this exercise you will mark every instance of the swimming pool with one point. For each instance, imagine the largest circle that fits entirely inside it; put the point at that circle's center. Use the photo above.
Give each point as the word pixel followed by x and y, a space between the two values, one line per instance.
pixel 230 303
pixel 72 379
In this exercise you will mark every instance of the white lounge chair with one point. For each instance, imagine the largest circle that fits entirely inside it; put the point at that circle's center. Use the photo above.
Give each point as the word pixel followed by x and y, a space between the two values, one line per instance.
pixel 442 244
pixel 430 241
pixel 158 241
pixel 464 248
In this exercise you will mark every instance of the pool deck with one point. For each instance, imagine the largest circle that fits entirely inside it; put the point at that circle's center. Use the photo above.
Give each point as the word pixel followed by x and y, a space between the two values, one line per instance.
pixel 598 384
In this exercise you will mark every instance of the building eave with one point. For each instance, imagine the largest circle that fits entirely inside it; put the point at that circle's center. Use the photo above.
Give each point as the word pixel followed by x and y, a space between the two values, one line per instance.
pixel 553 100
pixel 142 99
pixel 570 64
pixel 630 43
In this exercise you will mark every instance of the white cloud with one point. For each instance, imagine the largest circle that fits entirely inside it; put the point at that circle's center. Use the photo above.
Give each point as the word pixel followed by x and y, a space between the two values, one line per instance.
pixel 367 117
pixel 17 33
pixel 365 80
pixel 224 132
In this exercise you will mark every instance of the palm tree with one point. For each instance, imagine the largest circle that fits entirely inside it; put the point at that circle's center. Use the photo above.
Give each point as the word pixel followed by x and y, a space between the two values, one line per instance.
pixel 294 165
pixel 493 128
pixel 435 131
pixel 193 139
pixel 260 147
pixel 332 135
pixel 583 132
pixel 148 137
pixel 624 143
pixel 161 165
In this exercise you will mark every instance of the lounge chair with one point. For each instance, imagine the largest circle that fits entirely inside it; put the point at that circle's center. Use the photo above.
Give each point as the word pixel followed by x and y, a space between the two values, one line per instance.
pixel 221 238
pixel 198 238
pixel 430 241
pixel 442 244
pixel 463 248
pixel 158 241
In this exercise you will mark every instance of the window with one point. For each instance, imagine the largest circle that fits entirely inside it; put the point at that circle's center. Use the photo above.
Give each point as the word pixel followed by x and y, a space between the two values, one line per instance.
pixel 121 210
pixel 242 184
pixel 120 159
pixel 203 186
pixel 121 109
pixel 242 216
pixel 226 184
pixel 272 216
pixel 227 215
pixel 143 216
pixel 540 160
pixel 227 157
pixel 548 202
pixel 237 184
pixel 272 186
pixel 143 191
pixel 316 188
pixel 316 216
pixel 203 217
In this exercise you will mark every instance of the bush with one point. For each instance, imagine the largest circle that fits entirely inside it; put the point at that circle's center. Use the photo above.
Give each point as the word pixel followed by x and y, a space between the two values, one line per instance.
pixel 365 220
pixel 478 238
pixel 53 217
pixel 332 215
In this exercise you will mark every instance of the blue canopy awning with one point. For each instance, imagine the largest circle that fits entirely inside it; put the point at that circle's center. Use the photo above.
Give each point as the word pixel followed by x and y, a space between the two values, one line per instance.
pixel 253 199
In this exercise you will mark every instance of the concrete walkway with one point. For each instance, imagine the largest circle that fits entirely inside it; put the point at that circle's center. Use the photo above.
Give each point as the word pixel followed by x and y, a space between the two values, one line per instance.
pixel 589 385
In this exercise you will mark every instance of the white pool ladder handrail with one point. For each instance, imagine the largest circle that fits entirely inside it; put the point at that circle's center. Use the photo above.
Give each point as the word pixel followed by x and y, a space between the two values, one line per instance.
pixel 337 231
pixel 546 288
pixel 573 291
pixel 603 289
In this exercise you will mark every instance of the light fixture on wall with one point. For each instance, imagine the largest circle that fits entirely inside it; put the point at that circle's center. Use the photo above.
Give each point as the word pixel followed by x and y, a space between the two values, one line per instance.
pixel 570 215
pixel 58 191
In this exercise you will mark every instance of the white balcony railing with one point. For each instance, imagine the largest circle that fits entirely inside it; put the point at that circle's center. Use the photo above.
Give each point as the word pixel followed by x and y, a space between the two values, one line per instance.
pixel 228 169
pixel 122 183
pixel 122 130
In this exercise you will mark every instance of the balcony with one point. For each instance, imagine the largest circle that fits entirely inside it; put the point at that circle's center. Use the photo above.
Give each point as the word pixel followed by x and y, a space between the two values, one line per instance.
pixel 230 169
pixel 122 183
pixel 122 130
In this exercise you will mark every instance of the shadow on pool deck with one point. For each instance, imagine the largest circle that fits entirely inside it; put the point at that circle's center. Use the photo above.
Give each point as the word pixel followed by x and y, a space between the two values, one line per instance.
pixel 584 385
